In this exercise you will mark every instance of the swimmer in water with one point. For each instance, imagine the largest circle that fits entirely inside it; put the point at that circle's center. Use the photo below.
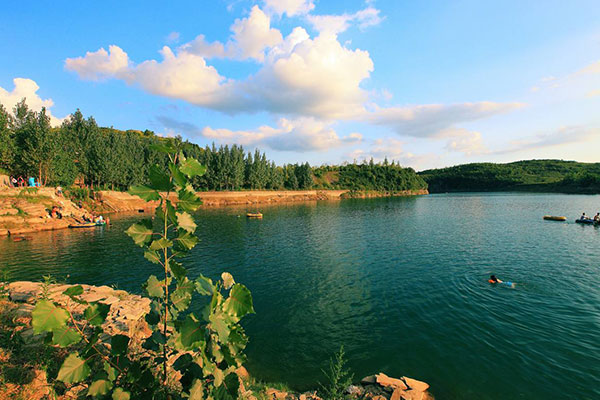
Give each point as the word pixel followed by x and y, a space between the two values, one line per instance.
pixel 493 279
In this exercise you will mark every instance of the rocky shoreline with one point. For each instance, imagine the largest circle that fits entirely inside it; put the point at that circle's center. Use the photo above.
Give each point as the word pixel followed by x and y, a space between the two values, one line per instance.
pixel 24 211
pixel 126 316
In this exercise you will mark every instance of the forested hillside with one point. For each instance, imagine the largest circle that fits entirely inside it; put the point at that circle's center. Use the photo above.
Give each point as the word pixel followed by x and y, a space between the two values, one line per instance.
pixel 81 151
pixel 531 175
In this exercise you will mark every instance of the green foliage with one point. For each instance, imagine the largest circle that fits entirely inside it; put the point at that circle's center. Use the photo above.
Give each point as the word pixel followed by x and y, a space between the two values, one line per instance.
pixel 213 342
pixel 338 376
pixel 381 177
pixel 532 175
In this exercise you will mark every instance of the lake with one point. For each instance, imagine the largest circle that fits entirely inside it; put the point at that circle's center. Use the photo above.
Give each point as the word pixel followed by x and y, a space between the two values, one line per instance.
pixel 400 282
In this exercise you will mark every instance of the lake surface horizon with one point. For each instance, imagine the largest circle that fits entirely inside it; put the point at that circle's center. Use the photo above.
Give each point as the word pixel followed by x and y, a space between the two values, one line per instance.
pixel 400 282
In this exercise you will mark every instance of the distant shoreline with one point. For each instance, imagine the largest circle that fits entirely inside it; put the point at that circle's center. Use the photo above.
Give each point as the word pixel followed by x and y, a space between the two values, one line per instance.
pixel 122 201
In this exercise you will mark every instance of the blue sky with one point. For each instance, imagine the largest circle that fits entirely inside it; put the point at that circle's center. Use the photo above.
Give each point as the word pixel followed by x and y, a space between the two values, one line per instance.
pixel 428 83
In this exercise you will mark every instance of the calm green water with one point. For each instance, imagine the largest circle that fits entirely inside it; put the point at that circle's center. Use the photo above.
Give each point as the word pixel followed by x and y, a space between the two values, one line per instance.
pixel 402 283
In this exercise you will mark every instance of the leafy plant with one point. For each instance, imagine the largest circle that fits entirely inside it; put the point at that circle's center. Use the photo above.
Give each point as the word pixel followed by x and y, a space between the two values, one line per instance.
pixel 339 377
pixel 213 341
pixel 188 355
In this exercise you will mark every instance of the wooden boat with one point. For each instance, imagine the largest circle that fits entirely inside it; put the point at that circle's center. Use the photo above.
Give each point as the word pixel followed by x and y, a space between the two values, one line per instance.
pixel 254 215
pixel 554 218
pixel 84 225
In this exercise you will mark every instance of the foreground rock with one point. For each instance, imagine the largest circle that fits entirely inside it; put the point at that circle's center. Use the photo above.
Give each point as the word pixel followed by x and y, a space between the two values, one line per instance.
pixel 126 316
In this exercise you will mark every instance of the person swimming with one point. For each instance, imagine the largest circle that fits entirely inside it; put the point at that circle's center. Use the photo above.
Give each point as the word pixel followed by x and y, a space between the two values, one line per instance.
pixel 493 279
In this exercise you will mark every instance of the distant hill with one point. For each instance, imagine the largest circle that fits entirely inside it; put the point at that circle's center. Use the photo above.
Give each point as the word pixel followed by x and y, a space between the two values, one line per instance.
pixel 530 175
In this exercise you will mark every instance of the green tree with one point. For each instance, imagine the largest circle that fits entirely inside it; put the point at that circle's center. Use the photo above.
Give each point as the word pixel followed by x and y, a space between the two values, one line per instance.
pixel 7 141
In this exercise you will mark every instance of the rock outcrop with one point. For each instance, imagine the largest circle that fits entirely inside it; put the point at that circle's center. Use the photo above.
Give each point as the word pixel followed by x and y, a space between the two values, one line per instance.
pixel 23 210
pixel 126 310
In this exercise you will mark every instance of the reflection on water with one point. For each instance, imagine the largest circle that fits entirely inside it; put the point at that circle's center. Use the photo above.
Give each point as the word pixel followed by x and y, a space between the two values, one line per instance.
pixel 402 283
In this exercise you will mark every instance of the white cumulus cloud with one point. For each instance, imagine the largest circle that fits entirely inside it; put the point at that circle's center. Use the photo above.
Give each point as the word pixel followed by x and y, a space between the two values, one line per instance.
pixel 254 34
pixel 251 36
pixel 302 76
pixel 100 64
pixel 27 89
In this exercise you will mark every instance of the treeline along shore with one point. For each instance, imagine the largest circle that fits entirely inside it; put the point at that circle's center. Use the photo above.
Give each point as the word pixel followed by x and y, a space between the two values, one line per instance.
pixel 549 176
pixel 83 153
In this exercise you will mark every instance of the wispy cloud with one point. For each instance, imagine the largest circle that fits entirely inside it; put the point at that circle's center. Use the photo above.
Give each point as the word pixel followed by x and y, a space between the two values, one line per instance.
pixel 301 134
pixel 561 136
pixel 431 120
pixel 365 18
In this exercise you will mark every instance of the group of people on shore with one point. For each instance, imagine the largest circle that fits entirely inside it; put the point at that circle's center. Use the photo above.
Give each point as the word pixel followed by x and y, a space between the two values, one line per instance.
pixel 21 182
pixel 586 218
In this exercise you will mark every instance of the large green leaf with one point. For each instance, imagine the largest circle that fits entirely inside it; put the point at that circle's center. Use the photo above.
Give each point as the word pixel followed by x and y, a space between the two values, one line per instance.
pixel 180 298
pixel 179 178
pixel 144 192
pixel 159 179
pixel 204 286
pixel 239 302
pixel 74 291
pixel 182 362
pixel 197 391
pixel 73 370
pixel 99 387
pixel 120 394
pixel 160 244
pixel 177 269
pixel 119 344
pixel 188 201
pixel 219 325
pixel 65 336
pixel 152 256
pixel 167 212
pixel 47 317
pixel 154 287
pixel 191 167
pixel 141 233
pixel 153 317
pixel 111 372
pixel 186 221
pixel 96 313
pixel 185 241
pixel 191 332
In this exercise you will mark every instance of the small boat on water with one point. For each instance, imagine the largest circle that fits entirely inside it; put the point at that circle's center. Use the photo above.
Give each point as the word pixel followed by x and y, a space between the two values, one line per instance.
pixel 254 215
pixel 87 225
pixel 587 221
pixel 554 218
